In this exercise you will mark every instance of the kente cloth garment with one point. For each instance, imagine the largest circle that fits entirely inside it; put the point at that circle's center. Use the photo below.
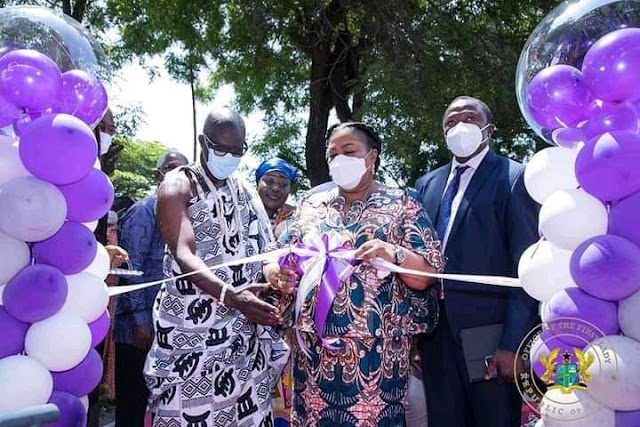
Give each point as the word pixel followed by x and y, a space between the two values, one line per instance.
pixel 209 366
pixel 374 314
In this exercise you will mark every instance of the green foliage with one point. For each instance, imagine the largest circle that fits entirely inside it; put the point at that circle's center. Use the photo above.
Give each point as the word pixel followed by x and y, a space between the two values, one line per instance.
pixel 135 165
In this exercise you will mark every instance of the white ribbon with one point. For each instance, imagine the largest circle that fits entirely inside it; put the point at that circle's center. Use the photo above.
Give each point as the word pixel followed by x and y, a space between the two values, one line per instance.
pixel 379 263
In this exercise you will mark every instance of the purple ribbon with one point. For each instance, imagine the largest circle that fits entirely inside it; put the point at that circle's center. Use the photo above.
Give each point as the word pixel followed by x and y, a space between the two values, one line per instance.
pixel 329 284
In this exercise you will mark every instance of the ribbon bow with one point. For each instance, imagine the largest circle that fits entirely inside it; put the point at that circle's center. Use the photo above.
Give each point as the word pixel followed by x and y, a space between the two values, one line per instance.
pixel 323 262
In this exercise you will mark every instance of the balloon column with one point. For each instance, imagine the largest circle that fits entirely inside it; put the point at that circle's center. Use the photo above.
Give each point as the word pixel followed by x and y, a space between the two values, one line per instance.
pixel 579 88
pixel 52 270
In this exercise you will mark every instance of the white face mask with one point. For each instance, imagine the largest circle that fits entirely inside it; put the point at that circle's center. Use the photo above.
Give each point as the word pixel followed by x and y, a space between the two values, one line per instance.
pixel 105 142
pixel 346 171
pixel 222 166
pixel 464 139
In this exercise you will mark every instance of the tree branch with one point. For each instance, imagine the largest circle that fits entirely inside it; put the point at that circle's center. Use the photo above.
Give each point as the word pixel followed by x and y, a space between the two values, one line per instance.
pixel 66 7
pixel 79 9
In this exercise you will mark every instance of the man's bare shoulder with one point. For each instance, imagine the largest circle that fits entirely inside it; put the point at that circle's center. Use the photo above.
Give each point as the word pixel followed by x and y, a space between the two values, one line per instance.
pixel 176 184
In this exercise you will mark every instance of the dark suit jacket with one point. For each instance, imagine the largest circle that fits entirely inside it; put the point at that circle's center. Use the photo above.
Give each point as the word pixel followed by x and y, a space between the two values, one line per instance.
pixel 495 223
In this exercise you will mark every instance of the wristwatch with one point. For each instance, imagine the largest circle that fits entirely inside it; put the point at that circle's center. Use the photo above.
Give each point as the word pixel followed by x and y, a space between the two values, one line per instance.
pixel 400 255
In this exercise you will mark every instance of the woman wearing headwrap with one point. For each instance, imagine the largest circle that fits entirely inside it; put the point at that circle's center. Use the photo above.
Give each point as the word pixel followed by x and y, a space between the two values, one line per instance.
pixel 274 179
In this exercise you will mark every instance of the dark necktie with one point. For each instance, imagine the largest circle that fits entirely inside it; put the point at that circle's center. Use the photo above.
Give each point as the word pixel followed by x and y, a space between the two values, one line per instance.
pixel 444 215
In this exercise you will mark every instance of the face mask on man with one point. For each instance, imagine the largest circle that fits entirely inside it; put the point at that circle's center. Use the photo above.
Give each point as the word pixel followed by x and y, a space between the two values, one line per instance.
pixel 464 139
pixel 347 171
pixel 105 142
pixel 222 166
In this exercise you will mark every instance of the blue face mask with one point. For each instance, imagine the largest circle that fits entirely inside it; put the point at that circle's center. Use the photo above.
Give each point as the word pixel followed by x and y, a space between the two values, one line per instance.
pixel 222 166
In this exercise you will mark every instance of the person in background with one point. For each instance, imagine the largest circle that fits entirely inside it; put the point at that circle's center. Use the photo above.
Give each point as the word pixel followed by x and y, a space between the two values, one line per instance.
pixel 140 236
pixel 486 219
pixel 274 179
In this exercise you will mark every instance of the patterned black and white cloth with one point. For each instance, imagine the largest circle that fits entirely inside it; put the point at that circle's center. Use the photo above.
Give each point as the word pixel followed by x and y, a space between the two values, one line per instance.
pixel 209 366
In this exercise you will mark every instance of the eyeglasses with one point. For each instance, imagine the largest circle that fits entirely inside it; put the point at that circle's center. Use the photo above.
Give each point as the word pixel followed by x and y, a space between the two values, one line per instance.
pixel 218 150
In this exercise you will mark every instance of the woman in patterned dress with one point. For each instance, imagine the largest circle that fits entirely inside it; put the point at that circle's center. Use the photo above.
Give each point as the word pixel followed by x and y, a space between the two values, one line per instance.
pixel 360 380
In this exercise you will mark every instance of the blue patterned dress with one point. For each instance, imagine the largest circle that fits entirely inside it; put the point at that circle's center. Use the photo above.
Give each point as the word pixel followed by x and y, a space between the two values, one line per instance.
pixel 374 315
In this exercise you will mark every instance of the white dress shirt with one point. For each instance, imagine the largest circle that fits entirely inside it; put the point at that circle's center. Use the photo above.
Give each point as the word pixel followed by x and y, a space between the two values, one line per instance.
pixel 465 179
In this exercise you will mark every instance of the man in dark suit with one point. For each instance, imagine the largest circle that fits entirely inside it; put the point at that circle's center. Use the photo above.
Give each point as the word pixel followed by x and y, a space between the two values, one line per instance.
pixel 485 219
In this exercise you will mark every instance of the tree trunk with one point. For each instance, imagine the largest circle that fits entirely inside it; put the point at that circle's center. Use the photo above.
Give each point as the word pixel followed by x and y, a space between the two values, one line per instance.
pixel 320 106
pixel 79 9
pixel 193 111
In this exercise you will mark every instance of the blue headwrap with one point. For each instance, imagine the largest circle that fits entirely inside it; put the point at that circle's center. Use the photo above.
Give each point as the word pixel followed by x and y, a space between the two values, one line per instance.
pixel 279 165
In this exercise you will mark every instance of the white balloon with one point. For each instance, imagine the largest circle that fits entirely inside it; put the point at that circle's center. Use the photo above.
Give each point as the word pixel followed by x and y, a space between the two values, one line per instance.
pixel 539 423
pixel 85 402
pixel 569 217
pixel 24 383
pixel 544 270
pixel 97 164
pixel 87 296
pixel 629 316
pixel 10 164
pixel 91 225
pixel 15 256
pixel 574 409
pixel 1 292
pixel 32 209
pixel 616 372
pixel 550 170
pixel 59 342
pixel 101 264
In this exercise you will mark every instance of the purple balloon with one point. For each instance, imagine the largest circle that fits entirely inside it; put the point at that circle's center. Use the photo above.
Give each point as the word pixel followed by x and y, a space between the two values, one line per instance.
pixel 81 379
pixel 83 96
pixel 13 334
pixel 557 97
pixel 607 166
pixel 72 411
pixel 568 137
pixel 607 267
pixel 99 328
pixel 90 198
pixel 37 292
pixel 610 66
pixel 70 250
pixel 29 79
pixel 600 317
pixel 58 148
pixel 622 117
pixel 623 218
pixel 8 112
pixel 627 418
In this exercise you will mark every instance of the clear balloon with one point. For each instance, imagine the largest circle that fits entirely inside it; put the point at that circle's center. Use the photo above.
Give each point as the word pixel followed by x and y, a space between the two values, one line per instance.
pixel 610 66
pixel 607 166
pixel 607 267
pixel 25 382
pixel 23 201
pixel 29 80
pixel 15 256
pixel 72 412
pixel 616 372
pixel 564 36
pixel 10 164
pixel 58 148
pixel 13 334
pixel 70 250
pixel 83 96
pixel 557 97
pixel 550 170
pixel 544 270
pixel 87 297
pixel 90 198
pixel 568 137
pixel 54 34
pixel 36 293
pixel 59 342
pixel 569 217
pixel 81 379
